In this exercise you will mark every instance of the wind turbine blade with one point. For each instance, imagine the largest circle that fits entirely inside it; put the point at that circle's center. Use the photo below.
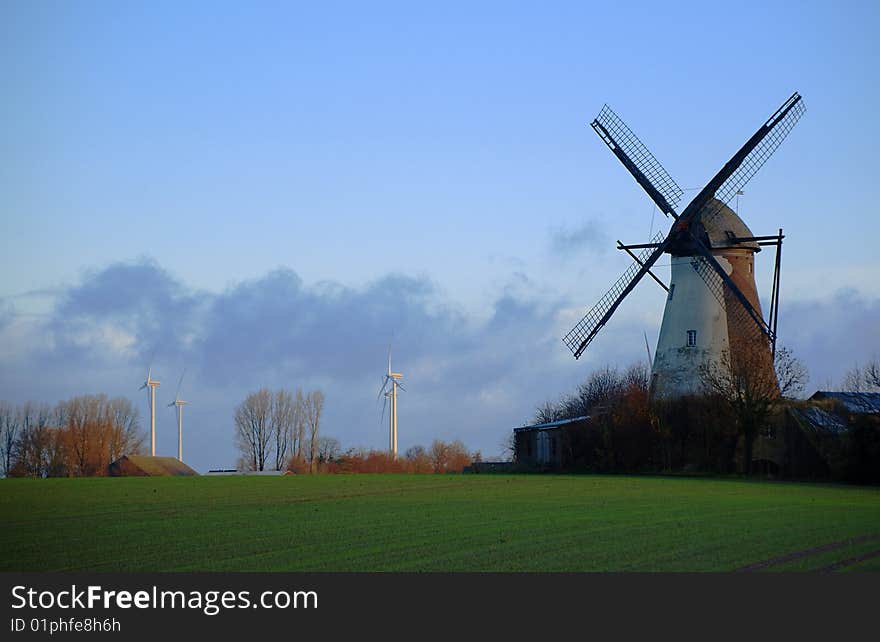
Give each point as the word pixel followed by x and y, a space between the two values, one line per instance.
pixel 400 385
pixel 389 356
pixel 384 403
pixel 177 394
pixel 382 388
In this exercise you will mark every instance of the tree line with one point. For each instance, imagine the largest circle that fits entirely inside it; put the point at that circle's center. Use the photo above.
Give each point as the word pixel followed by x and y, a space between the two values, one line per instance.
pixel 277 429
pixel 440 457
pixel 280 430
pixel 79 437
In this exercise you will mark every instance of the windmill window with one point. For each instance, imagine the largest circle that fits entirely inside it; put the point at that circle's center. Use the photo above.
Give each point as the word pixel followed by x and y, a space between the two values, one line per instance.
pixel 691 338
pixel 671 290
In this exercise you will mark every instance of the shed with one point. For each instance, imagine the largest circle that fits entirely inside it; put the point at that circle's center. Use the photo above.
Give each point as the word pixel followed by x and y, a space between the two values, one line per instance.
pixel 548 444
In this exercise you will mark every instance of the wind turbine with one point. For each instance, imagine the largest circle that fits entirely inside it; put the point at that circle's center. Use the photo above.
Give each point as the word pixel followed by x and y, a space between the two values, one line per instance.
pixel 390 393
pixel 180 403
pixel 152 385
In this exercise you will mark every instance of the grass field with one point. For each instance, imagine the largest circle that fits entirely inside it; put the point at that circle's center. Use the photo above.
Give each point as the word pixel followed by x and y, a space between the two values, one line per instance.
pixel 433 523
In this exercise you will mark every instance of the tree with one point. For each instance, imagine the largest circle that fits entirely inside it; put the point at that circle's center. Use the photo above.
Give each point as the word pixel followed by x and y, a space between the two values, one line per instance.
pixel 791 373
pixel 282 415
pixel 314 406
pixel 749 389
pixel 328 449
pixel 417 460
pixel 548 411
pixel 9 425
pixel 35 442
pixel 97 431
pixel 863 379
pixel 252 425
pixel 448 457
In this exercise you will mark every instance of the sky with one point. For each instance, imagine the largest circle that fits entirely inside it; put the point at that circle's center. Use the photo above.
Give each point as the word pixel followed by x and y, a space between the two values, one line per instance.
pixel 267 194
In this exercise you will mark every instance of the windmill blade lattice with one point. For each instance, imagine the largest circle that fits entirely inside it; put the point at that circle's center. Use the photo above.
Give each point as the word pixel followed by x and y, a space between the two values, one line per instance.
pixel 580 336
pixel 638 159
pixel 772 133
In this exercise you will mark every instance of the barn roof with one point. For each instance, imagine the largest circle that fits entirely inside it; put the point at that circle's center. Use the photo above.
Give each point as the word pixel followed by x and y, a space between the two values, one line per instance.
pixel 150 466
pixel 856 402
pixel 821 419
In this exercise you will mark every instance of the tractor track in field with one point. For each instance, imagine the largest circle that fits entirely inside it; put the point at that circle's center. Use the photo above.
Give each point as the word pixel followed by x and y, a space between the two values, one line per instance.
pixel 824 548
pixel 850 561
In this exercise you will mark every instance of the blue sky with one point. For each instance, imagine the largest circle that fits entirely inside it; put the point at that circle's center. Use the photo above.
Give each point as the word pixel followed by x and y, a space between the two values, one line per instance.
pixel 263 194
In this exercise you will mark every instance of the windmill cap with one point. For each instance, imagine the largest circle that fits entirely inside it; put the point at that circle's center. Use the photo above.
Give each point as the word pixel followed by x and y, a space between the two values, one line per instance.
pixel 725 227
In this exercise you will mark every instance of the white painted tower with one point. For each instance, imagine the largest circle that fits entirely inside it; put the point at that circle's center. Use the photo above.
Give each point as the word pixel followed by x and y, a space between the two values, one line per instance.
pixel 696 325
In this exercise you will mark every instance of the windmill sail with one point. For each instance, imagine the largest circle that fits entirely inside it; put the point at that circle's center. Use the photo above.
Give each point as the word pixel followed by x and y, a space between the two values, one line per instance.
pixel 580 336
pixel 640 162
pixel 740 169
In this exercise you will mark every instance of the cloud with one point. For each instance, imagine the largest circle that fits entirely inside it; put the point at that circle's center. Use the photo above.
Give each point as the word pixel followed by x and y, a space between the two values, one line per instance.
pixel 831 335
pixel 568 242
pixel 467 377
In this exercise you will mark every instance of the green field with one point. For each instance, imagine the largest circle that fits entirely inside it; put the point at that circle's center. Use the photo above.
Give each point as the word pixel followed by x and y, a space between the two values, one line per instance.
pixel 432 523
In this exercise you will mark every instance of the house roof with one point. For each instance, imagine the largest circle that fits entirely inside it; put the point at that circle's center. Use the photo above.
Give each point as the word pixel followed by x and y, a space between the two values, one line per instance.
pixel 156 466
pixel 821 419
pixel 551 424
pixel 856 402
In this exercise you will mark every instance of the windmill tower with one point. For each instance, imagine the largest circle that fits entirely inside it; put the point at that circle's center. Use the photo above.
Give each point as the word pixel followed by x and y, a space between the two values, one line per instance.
pixel 180 403
pixel 152 385
pixel 712 303
pixel 390 394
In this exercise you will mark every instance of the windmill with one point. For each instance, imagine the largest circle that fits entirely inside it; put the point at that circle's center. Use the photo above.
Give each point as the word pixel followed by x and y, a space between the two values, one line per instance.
pixel 152 385
pixel 180 403
pixel 712 303
pixel 390 394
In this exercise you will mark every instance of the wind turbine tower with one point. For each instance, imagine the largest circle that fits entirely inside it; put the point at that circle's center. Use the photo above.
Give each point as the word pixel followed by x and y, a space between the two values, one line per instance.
pixel 180 403
pixel 152 385
pixel 390 393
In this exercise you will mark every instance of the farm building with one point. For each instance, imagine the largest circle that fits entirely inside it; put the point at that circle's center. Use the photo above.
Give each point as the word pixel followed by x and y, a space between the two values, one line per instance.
pixel 859 403
pixel 145 466
pixel 831 436
pixel 548 445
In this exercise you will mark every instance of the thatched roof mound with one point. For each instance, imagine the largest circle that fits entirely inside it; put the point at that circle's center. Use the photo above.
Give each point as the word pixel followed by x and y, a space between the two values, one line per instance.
pixel 144 466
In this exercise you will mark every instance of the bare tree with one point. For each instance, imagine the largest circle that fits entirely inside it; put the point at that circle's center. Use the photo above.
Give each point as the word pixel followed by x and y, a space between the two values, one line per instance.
pixel 449 457
pixel 872 374
pixel 252 428
pixel 548 411
pixel 748 388
pixel 34 445
pixel 791 373
pixel 299 425
pixel 439 454
pixel 328 449
pixel 282 418
pixel 314 406
pixel 9 424
pixel 863 379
